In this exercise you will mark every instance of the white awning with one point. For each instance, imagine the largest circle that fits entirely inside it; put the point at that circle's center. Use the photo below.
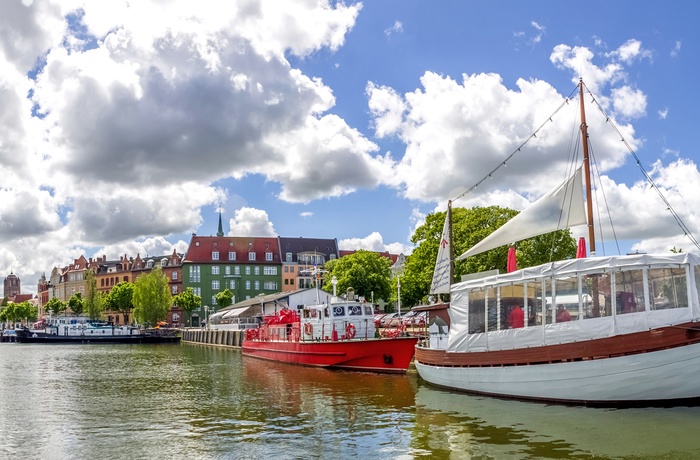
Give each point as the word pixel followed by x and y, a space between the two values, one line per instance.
pixel 236 312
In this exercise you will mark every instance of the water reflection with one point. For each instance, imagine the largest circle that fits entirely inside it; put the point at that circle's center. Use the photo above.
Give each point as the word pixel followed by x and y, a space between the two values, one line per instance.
pixel 452 425
pixel 195 402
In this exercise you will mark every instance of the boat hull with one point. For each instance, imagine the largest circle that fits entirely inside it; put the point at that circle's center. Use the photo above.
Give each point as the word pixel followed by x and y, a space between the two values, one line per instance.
pixel 374 355
pixel 26 336
pixel 647 373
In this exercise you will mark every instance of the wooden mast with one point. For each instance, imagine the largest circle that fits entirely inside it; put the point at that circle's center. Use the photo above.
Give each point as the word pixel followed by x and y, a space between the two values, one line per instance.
pixel 452 255
pixel 587 171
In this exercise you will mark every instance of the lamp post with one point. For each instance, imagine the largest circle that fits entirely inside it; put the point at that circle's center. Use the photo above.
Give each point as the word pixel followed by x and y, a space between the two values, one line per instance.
pixel 206 316
pixel 334 282
pixel 398 295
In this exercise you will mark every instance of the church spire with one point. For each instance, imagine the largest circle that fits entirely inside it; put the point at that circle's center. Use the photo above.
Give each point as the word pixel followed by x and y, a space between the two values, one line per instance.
pixel 221 228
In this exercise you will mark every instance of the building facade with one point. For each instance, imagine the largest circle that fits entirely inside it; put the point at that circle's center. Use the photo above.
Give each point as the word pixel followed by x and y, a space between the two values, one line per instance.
pixel 303 260
pixel 247 266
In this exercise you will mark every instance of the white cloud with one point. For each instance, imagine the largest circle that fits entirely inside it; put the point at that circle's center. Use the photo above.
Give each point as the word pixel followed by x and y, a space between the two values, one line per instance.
pixel 373 242
pixel 251 222
pixel 630 51
pixel 628 102
pixel 663 113
pixel 676 49
pixel 306 214
pixel 397 27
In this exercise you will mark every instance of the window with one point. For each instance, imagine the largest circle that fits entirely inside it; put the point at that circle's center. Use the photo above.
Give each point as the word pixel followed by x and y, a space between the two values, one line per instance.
pixel 288 257
pixel 214 269
pixel 247 285
pixel 149 264
pixel 257 285
pixel 197 291
pixel 232 284
pixel 213 300
pixel 173 276
pixel 236 270
pixel 173 289
pixel 286 281
pixel 270 271
pixel 251 256
pixel 215 285
pixel 268 256
pixel 194 274
pixel 247 270
pixel 291 269
pixel 231 255
pixel 256 270
pixel 270 285
pixel 332 256
pixel 164 262
pixel 215 255
pixel 286 269
pixel 228 269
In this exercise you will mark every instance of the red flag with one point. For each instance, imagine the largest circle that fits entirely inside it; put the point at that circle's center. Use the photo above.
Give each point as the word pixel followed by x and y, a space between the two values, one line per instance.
pixel 581 251
pixel 512 265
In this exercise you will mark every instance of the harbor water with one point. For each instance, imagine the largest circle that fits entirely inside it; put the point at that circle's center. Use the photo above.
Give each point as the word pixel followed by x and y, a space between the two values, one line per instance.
pixel 200 402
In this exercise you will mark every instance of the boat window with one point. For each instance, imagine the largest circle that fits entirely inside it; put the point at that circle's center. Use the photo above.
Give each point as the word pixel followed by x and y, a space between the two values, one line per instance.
pixel 629 291
pixel 307 313
pixel 477 308
pixel 514 295
pixel 494 318
pixel 596 296
pixel 668 288
pixel 338 310
pixel 314 313
pixel 368 310
pixel 546 302
pixel 354 310
pixel 565 304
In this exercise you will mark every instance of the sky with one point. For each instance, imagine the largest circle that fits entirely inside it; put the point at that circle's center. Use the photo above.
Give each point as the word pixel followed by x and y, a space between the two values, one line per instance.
pixel 126 126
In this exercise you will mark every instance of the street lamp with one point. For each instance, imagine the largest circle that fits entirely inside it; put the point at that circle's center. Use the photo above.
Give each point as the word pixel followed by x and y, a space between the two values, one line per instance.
pixel 334 282
pixel 206 316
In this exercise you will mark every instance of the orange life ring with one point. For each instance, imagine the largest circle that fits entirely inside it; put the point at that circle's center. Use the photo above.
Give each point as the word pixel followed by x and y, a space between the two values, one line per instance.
pixel 308 329
pixel 350 331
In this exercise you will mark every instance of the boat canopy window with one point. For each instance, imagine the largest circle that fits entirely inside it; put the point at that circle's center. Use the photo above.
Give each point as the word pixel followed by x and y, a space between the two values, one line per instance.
pixel 578 296
pixel 354 310
pixel 368 311
pixel 338 311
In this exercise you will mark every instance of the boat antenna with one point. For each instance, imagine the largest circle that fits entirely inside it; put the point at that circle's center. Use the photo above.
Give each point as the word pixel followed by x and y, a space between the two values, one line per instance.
pixel 587 171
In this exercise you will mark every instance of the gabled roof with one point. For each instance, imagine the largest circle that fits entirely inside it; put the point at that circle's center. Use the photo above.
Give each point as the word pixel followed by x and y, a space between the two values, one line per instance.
pixel 202 247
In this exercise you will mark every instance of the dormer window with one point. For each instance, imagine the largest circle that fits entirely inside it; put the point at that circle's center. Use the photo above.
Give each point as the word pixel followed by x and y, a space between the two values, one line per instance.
pixel 288 257
pixel 215 255
pixel 268 256
pixel 164 262
pixel 231 255
pixel 251 256
pixel 149 264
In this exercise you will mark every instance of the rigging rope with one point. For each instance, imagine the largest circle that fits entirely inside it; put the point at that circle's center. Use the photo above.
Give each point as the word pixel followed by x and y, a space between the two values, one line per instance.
pixel 673 212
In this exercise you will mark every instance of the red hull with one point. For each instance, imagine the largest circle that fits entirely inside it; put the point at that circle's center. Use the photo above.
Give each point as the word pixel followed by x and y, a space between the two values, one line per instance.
pixel 375 355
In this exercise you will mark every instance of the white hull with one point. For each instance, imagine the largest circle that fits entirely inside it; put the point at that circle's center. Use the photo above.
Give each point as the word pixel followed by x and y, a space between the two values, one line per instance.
pixel 664 375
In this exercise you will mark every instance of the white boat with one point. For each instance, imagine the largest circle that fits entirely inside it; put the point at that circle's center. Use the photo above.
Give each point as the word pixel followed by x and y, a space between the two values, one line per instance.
pixel 630 335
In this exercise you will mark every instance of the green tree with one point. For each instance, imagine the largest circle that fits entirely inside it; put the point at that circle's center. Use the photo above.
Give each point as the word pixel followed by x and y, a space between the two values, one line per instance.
pixel 364 271
pixel 76 303
pixel 120 298
pixel 93 298
pixel 224 298
pixel 152 298
pixel 55 306
pixel 469 226
pixel 19 312
pixel 188 301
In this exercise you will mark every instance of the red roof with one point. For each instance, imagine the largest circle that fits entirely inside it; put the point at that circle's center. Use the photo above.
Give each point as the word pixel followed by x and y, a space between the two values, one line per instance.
pixel 202 247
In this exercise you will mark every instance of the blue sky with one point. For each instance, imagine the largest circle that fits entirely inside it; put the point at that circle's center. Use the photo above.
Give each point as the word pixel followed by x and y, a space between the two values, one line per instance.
pixel 126 127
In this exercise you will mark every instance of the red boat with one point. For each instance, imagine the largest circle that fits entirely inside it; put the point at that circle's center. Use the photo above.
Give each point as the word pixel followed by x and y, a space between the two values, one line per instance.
pixel 338 335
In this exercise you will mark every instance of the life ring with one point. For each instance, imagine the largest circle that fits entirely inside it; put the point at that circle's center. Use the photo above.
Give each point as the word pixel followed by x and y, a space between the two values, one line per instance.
pixel 350 331
pixel 308 329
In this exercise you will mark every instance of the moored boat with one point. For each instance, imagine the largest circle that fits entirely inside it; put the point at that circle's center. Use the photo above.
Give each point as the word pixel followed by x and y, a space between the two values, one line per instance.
pixel 340 334
pixel 79 330
pixel 612 331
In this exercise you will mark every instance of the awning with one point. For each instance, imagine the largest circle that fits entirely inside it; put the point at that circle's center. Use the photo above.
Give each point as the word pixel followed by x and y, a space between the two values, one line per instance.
pixel 236 312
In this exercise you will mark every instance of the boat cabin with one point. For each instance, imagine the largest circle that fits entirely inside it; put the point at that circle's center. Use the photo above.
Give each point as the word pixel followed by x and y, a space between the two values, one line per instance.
pixel 574 299
pixel 338 321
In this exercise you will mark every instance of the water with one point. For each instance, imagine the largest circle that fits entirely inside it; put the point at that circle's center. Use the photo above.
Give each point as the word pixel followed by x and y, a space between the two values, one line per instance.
pixel 198 402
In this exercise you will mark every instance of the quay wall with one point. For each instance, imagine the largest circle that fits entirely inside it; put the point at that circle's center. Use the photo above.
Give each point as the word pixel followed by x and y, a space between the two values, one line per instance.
pixel 214 337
